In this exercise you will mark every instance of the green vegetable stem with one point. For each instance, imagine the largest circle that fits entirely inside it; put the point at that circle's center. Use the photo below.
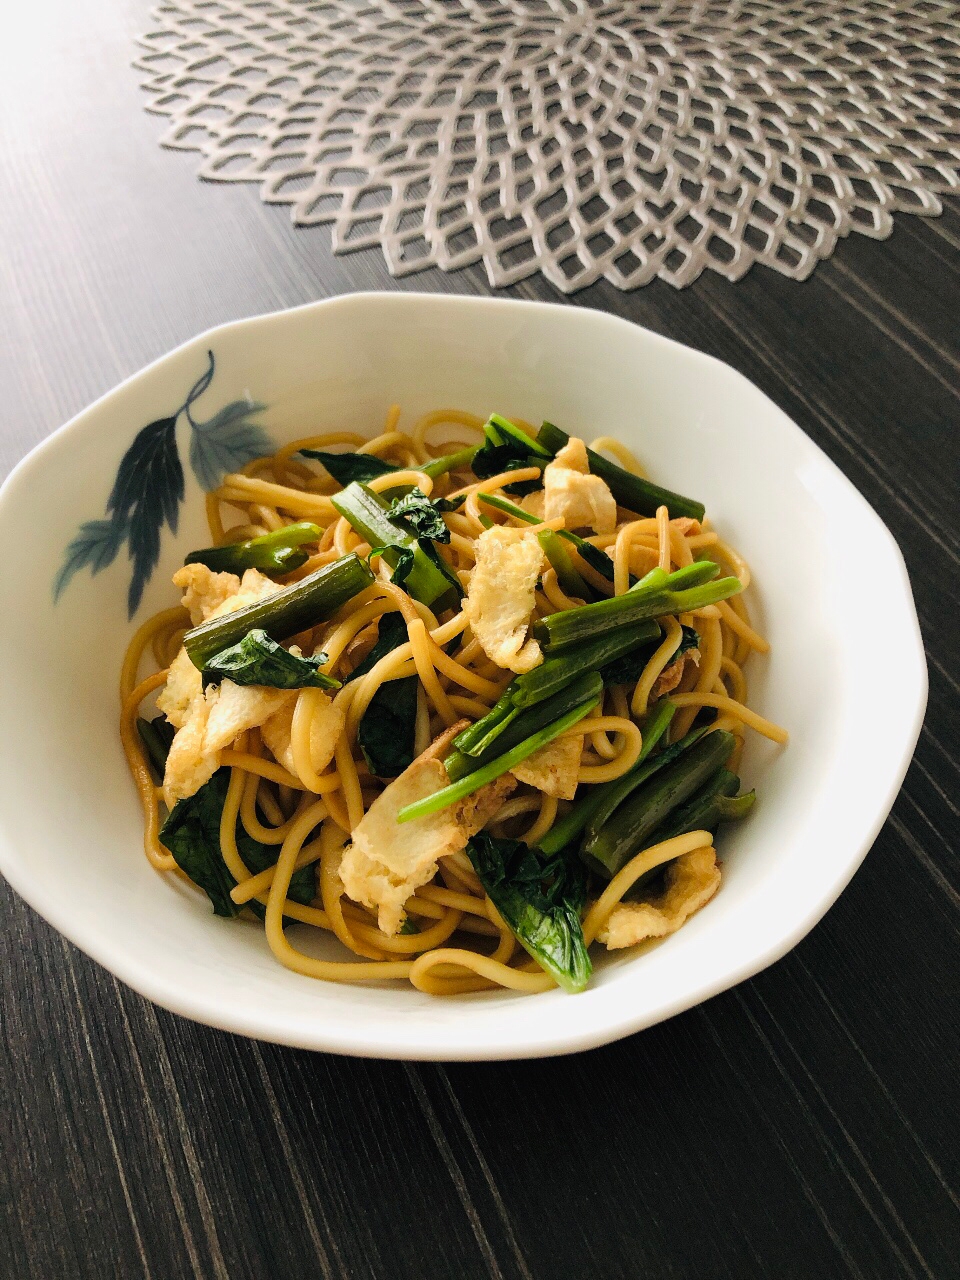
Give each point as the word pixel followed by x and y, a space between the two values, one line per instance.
pixel 585 689
pixel 657 594
pixel 557 669
pixel 274 553
pixel 559 557
pixel 501 764
pixel 412 559
pixel 507 448
pixel 629 490
pixel 284 614
pixel 629 828
pixel 551 676
pixel 717 801
pixel 608 797
pixel 568 828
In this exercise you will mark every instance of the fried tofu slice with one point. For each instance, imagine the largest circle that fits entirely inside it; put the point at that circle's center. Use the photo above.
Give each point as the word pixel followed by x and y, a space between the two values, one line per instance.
pixel 210 595
pixel 188 765
pixel 388 861
pixel 500 597
pixel 235 708
pixel 582 500
pixel 203 590
pixel 325 728
pixel 533 502
pixel 692 880
pixel 553 769
pixel 183 689
pixel 215 720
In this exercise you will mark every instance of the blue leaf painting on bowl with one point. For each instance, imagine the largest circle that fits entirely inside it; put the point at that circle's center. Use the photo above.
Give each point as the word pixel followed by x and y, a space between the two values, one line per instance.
pixel 148 488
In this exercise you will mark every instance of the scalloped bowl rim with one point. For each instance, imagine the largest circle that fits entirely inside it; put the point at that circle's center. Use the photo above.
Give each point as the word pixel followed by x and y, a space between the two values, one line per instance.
pixel 445 1029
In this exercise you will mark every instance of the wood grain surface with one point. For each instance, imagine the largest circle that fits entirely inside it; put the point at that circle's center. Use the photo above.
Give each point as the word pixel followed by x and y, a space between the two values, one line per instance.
pixel 803 1125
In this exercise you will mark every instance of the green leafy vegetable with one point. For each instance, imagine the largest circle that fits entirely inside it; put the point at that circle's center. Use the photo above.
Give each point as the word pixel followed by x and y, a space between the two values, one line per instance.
pixel 388 728
pixel 414 562
pixel 292 609
pixel 629 490
pixel 449 504
pixel 257 659
pixel 387 731
pixel 156 736
pixel 540 899
pixel 629 668
pixel 423 516
pixel 274 553
pixel 507 448
pixel 192 834
pixel 347 467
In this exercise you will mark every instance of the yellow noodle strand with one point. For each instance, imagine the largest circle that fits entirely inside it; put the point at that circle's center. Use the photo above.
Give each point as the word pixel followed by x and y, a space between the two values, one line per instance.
pixel 769 730
pixel 142 637
pixel 256 886
pixel 484 966
pixel 654 668
pixel 140 771
pixel 711 655
pixel 332 970
pixel 425 670
pixel 607 444
pixel 742 629
pixel 545 820
pixel 633 742
pixel 332 840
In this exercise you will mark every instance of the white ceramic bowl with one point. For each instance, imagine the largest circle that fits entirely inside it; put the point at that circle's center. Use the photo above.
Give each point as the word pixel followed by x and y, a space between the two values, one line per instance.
pixel 70 824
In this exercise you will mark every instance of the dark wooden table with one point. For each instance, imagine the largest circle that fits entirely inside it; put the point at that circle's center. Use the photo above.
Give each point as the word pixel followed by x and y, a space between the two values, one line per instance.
pixel 802 1125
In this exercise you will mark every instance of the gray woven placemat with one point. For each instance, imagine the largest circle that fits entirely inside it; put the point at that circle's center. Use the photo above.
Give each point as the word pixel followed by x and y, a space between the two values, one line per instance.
pixel 579 139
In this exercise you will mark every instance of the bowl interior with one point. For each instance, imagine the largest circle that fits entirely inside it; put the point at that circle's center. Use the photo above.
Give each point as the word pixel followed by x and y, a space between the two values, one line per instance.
pixel 70 825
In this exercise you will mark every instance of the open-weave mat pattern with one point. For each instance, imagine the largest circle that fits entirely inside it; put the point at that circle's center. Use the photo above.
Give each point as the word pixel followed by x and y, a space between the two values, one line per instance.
pixel 580 139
